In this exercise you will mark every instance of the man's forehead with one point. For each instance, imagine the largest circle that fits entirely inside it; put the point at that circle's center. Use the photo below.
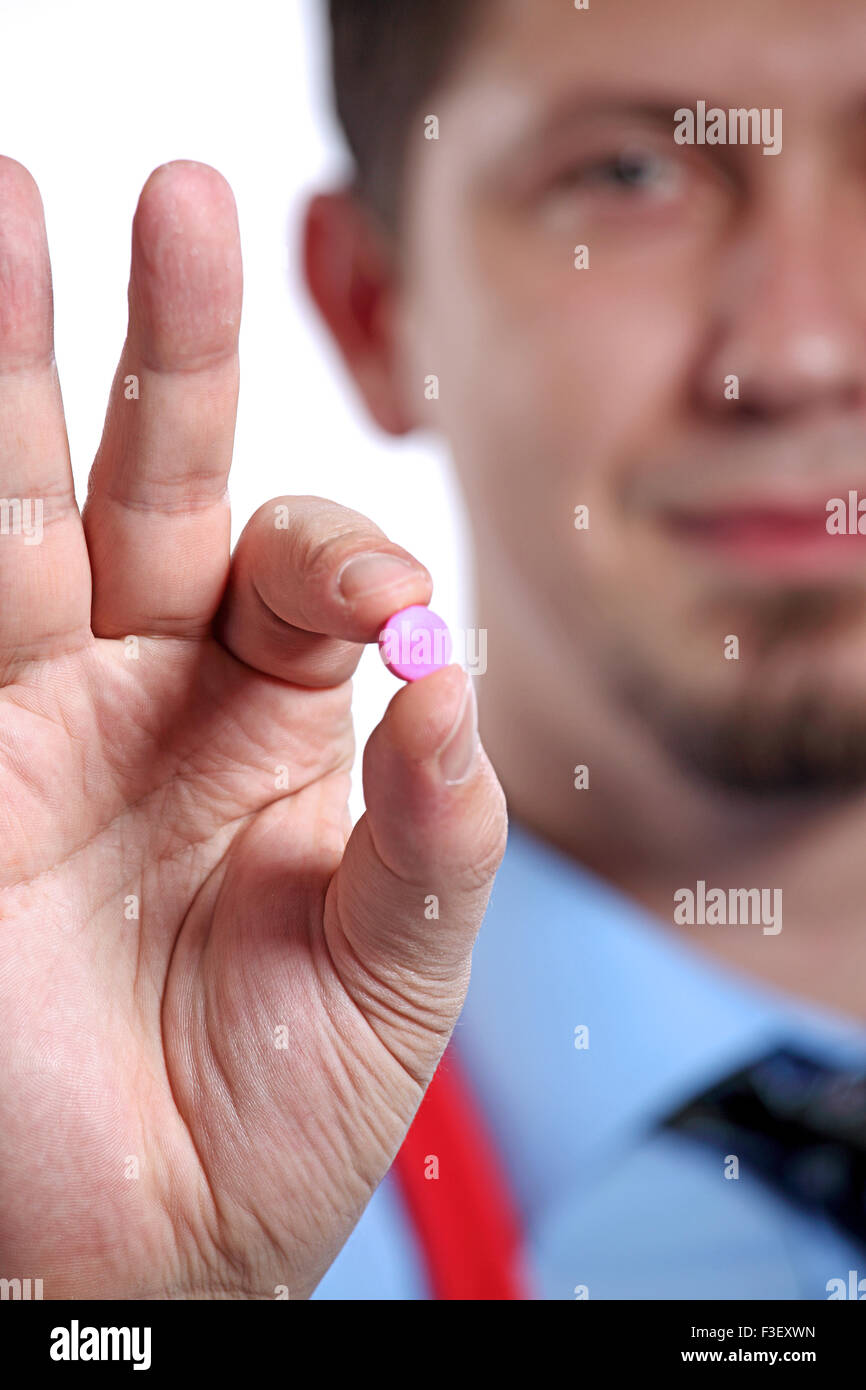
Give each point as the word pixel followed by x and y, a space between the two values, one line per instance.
pixel 734 52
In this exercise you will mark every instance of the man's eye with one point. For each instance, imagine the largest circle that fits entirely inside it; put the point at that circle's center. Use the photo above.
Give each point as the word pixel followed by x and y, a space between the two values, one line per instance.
pixel 628 173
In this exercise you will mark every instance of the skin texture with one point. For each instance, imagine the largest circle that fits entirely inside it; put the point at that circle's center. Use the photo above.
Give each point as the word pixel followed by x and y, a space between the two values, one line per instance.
pixel 605 387
pixel 219 1007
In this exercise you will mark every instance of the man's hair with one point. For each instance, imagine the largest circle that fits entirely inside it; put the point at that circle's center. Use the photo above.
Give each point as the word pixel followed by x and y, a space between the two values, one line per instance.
pixel 387 58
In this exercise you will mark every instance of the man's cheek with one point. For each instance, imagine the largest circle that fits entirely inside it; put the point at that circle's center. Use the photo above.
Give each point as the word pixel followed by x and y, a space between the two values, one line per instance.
pixel 617 366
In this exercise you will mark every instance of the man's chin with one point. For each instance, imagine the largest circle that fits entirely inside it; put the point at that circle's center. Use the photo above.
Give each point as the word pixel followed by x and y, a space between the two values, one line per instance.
pixel 776 708
pixel 806 749
pixel 806 745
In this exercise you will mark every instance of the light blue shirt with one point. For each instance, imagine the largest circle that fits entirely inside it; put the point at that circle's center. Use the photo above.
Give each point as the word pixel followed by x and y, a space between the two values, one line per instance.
pixel 609 1204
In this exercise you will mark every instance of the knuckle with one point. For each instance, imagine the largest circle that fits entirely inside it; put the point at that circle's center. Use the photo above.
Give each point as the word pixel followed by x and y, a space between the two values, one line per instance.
pixel 488 845
pixel 320 533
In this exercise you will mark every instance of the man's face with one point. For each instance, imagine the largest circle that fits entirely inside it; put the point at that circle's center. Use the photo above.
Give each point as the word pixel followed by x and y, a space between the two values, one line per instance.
pixel 610 387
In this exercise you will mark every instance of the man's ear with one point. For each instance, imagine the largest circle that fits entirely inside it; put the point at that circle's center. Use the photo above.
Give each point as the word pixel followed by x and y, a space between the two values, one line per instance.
pixel 350 275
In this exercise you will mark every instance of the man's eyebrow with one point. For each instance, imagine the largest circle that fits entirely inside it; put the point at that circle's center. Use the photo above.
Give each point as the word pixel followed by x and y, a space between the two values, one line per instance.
pixel 513 138
pixel 574 107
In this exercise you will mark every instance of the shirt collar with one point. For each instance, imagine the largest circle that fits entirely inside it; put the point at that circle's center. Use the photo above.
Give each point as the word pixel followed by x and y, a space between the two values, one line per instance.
pixel 560 949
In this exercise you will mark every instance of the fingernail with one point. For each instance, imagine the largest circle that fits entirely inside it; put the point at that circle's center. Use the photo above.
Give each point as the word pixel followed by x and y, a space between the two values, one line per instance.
pixel 365 574
pixel 457 754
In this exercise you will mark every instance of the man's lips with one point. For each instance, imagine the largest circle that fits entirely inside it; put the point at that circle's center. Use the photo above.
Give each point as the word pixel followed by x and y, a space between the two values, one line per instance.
pixel 768 536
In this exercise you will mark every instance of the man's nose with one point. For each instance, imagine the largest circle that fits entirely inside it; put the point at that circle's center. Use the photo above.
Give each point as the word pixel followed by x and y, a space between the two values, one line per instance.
pixel 789 320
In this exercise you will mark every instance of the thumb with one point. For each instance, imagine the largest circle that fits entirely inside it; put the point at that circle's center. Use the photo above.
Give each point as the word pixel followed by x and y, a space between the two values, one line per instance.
pixel 415 878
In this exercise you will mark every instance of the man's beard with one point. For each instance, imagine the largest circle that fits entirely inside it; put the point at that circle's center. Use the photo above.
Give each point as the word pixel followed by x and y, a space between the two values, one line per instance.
pixel 808 739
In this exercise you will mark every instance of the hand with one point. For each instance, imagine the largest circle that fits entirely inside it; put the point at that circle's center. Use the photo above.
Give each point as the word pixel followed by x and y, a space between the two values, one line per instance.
pixel 220 1005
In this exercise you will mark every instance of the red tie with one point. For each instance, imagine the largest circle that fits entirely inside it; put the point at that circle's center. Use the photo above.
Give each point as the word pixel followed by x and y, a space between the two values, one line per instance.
pixel 464 1218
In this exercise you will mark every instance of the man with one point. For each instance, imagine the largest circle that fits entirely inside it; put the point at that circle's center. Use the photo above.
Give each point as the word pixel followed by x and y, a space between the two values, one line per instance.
pixel 675 699
pixel 218 1022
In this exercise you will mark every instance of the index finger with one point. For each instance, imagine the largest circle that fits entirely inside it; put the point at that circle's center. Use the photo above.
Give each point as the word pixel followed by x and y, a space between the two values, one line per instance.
pixel 157 515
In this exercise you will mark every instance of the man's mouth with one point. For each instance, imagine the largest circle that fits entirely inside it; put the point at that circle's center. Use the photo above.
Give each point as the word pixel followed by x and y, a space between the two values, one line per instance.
pixel 771 536
pixel 764 508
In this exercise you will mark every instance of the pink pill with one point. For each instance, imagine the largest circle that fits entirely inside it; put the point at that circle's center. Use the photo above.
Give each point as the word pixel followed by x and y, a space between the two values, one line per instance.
pixel 414 643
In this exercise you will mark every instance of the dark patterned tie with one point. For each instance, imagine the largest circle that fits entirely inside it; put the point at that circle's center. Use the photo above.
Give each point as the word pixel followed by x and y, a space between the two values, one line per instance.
pixel 798 1124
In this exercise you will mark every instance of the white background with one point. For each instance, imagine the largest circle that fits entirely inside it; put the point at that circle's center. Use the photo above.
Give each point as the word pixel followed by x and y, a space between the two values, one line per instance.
pixel 94 95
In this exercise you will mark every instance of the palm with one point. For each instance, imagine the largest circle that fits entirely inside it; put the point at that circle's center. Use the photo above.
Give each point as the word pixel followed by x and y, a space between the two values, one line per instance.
pixel 211 1053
